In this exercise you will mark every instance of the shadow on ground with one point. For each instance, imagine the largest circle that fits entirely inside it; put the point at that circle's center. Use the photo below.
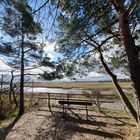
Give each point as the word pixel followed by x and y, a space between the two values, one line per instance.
pixel 4 131
pixel 64 128
pixel 56 130
pixel 98 127
pixel 52 125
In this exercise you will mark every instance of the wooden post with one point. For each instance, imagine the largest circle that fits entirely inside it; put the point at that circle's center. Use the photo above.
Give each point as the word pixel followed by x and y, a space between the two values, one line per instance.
pixel 32 98
pixel 63 110
pixel 49 101
pixel 1 87
pixel 97 103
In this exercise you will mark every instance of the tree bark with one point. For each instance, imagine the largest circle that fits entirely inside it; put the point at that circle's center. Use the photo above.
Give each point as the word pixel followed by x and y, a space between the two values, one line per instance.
pixel 21 107
pixel 1 103
pixel 122 95
pixel 132 51
pixel 12 90
pixel 10 97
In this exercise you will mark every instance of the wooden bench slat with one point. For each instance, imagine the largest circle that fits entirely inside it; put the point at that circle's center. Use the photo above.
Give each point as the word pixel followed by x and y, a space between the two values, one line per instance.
pixel 75 102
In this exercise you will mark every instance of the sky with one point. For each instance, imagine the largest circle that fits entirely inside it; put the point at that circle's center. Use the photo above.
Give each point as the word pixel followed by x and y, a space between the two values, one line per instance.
pixel 3 67
pixel 50 49
pixel 91 76
pixel 5 70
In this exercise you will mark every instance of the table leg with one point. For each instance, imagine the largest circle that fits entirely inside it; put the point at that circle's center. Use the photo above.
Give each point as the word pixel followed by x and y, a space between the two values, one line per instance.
pixel 49 101
pixel 68 98
pixel 86 112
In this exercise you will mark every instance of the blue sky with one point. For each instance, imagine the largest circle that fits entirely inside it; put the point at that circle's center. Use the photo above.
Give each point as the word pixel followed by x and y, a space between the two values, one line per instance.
pixel 47 37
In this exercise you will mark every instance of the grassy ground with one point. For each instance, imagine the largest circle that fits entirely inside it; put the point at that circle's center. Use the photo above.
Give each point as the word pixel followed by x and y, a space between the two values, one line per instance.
pixel 84 85
pixel 122 125
pixel 9 108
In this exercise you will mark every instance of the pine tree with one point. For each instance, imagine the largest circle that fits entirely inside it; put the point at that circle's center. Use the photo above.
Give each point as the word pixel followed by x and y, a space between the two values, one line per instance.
pixel 90 26
pixel 18 23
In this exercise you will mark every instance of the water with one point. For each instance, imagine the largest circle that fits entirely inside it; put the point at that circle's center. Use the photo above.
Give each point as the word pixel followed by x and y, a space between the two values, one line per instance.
pixel 59 90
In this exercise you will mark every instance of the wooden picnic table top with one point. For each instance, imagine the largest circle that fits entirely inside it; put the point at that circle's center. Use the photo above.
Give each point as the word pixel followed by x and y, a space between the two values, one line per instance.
pixel 75 102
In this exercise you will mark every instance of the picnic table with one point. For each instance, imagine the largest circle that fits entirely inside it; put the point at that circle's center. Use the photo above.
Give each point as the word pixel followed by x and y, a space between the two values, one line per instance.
pixel 70 99
pixel 63 103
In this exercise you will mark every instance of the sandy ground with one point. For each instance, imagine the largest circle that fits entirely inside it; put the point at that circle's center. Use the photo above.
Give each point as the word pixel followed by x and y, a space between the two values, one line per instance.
pixel 46 125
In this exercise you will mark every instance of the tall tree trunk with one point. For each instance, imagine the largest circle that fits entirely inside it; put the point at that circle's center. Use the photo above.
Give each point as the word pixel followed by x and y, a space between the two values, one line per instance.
pixel 10 97
pixel 128 42
pixel 21 107
pixel 1 103
pixel 15 100
pixel 12 90
pixel 122 95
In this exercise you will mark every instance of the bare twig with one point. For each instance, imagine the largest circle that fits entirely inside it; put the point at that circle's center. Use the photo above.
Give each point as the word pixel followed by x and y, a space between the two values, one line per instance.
pixel 40 7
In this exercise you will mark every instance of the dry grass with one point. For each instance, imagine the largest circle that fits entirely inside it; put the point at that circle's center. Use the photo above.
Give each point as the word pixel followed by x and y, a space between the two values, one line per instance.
pixel 102 86
pixel 44 125
pixel 8 109
pixel 110 124
pixel 84 85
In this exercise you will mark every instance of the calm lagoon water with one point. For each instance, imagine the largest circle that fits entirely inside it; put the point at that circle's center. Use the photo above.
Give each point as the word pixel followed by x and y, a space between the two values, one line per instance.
pixel 59 90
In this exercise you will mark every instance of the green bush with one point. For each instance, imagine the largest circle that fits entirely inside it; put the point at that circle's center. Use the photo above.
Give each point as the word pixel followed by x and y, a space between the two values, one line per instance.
pixel 15 113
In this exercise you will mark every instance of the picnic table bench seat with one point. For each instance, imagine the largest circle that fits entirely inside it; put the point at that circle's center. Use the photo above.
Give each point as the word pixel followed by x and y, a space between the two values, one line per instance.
pixel 72 102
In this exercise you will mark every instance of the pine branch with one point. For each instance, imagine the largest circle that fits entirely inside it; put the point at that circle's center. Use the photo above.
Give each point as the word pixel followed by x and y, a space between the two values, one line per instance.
pixel 40 7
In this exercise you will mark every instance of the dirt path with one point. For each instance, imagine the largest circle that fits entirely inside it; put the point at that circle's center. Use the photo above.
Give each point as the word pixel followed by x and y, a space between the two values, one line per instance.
pixel 43 125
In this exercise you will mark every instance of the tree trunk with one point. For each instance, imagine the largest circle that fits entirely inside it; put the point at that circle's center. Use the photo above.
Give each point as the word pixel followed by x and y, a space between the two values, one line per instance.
pixel 128 42
pixel 1 90
pixel 21 107
pixel 10 97
pixel 12 90
pixel 1 103
pixel 15 100
pixel 122 95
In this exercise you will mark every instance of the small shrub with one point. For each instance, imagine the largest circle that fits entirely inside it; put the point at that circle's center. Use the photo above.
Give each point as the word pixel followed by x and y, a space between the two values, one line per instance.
pixel 13 114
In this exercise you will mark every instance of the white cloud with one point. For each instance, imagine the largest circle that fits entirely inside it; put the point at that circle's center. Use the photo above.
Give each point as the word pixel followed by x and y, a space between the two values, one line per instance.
pixel 4 67
pixel 51 55
pixel 94 74
pixel 50 50
pixel 49 47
